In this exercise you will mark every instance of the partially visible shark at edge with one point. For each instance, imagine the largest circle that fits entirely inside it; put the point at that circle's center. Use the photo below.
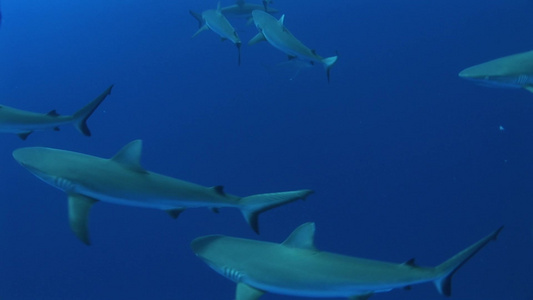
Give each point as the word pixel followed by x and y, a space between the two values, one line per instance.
pixel 244 9
pixel 296 268
pixel 122 180
pixel 218 23
pixel 23 123
pixel 273 31
pixel 514 71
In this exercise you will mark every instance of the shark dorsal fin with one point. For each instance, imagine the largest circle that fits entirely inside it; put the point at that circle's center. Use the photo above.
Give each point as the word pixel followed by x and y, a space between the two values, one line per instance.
pixel 302 237
pixel 281 20
pixel 240 3
pixel 130 156
pixel 218 7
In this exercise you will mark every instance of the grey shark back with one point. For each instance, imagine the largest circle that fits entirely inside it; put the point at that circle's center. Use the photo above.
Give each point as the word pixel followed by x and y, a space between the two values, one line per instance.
pixel 122 180
pixel 295 267
pixel 275 33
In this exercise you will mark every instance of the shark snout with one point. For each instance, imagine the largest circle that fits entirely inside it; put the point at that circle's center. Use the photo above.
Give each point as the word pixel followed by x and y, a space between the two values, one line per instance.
pixel 202 244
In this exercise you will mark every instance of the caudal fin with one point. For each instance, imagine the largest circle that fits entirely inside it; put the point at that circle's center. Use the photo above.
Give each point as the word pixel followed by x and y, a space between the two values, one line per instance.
pixel 328 63
pixel 448 268
pixel 80 117
pixel 252 206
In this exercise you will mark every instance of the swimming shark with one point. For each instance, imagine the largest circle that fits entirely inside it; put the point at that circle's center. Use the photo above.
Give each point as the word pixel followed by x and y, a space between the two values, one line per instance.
pixel 122 180
pixel 514 71
pixel 23 123
pixel 273 31
pixel 218 23
pixel 296 268
pixel 244 9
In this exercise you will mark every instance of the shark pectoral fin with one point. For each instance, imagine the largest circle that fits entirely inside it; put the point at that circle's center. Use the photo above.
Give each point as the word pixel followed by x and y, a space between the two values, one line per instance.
pixel 529 88
pixel 361 297
pixel 175 212
pixel 130 156
pixel 252 206
pixel 260 37
pixel 246 292
pixel 23 136
pixel 302 237
pixel 79 207
pixel 281 20
pixel 204 27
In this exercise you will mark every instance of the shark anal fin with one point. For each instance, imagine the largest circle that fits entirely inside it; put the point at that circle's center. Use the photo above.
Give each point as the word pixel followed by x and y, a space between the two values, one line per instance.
pixel 246 292
pixel 23 136
pixel 56 129
pixel 291 57
pixel 79 207
pixel 175 212
pixel 529 88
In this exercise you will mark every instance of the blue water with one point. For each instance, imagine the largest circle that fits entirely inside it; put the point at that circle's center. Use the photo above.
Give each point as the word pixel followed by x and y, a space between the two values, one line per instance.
pixel 407 160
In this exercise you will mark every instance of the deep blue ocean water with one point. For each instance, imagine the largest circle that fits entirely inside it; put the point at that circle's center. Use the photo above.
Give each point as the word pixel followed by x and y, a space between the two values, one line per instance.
pixel 406 159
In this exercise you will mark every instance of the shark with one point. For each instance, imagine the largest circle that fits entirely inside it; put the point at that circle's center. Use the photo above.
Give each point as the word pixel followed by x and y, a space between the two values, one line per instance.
pixel 122 180
pixel 218 23
pixel 274 32
pixel 23 123
pixel 244 9
pixel 296 268
pixel 513 71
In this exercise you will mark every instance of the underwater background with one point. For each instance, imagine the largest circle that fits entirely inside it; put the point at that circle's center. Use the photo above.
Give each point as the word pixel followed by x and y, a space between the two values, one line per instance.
pixel 405 158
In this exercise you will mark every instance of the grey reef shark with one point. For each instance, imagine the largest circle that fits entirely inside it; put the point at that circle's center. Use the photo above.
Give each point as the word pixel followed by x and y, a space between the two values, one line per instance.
pixel 244 9
pixel 513 71
pixel 273 31
pixel 296 268
pixel 218 23
pixel 23 123
pixel 122 180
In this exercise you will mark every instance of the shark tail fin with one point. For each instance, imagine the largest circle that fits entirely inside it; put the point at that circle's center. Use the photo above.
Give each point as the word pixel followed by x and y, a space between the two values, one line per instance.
pixel 328 63
pixel 252 206
pixel 80 117
pixel 447 269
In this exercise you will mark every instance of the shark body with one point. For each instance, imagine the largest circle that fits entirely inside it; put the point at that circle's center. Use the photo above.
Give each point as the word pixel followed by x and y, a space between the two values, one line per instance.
pixel 273 31
pixel 295 267
pixel 514 71
pixel 122 180
pixel 23 123
pixel 218 23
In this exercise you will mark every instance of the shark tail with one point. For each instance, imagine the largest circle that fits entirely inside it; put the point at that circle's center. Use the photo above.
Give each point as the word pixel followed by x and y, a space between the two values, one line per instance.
pixel 328 63
pixel 448 268
pixel 80 117
pixel 252 206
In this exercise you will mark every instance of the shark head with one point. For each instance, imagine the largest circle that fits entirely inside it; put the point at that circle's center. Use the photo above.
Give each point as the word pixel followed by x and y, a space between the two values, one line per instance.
pixel 45 163
pixel 212 248
pixel 513 71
